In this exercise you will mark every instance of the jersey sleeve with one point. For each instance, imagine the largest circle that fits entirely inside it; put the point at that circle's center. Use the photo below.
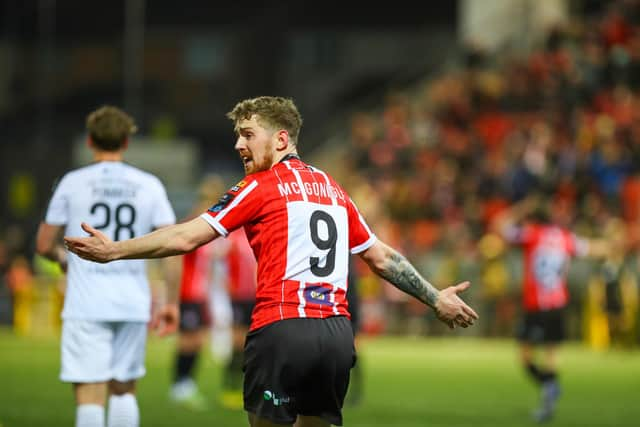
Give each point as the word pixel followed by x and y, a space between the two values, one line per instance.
pixel 360 236
pixel 237 206
pixel 58 209
pixel 162 211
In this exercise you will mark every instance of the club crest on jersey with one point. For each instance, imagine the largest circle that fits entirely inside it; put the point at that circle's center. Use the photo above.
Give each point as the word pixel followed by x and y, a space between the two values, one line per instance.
pixel 318 294
pixel 238 187
pixel 222 202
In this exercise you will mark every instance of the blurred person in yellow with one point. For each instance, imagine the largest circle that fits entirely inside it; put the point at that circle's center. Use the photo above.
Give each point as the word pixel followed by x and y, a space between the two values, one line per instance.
pixel 21 283
pixel 107 308
pixel 52 283
pixel 542 230
pixel 302 226
pixel 495 277
pixel 620 287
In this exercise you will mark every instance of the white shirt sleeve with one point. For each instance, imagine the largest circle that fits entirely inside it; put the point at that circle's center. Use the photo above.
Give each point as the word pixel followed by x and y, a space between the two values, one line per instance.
pixel 58 210
pixel 162 211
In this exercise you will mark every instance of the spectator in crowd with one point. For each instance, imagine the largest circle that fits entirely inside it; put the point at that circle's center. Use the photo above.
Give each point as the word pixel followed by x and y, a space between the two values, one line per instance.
pixel 620 284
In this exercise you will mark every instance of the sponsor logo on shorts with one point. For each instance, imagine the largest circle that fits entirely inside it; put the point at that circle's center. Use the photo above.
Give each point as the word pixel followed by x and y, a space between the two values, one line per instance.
pixel 268 395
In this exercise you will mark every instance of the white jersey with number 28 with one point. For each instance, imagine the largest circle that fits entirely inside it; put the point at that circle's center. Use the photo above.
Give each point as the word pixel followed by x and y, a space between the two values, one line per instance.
pixel 122 202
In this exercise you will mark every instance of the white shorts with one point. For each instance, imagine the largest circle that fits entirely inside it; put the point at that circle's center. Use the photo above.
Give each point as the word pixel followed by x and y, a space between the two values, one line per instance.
pixel 99 351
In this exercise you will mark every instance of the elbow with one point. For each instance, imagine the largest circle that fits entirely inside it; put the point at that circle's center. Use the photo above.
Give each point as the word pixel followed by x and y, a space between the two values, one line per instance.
pixel 186 237
pixel 377 257
pixel 377 265
pixel 184 243
pixel 41 250
pixel 181 245
pixel 44 248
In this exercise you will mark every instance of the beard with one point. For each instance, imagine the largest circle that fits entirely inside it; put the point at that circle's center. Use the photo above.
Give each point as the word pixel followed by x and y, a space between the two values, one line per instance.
pixel 254 166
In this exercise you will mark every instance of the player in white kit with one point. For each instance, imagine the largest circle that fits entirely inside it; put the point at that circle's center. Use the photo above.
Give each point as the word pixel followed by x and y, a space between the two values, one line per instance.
pixel 107 307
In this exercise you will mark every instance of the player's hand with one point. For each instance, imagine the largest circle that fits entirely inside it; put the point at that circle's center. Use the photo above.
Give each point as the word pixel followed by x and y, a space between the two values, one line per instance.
pixel 450 308
pixel 165 320
pixel 97 247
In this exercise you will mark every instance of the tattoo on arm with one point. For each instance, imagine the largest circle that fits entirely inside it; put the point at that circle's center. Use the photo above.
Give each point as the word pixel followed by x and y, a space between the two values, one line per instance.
pixel 398 271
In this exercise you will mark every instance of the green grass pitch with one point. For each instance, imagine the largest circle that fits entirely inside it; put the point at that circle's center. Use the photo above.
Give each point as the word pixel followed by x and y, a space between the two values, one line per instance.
pixel 408 382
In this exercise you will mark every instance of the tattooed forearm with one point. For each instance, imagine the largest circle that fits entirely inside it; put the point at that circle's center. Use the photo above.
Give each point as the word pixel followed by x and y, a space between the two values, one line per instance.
pixel 398 271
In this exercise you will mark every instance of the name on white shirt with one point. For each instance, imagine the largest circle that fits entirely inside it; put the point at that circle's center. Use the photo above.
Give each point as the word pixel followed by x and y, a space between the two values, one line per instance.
pixel 114 192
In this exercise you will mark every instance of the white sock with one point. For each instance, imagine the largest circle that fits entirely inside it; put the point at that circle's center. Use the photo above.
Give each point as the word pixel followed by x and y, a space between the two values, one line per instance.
pixel 123 411
pixel 90 415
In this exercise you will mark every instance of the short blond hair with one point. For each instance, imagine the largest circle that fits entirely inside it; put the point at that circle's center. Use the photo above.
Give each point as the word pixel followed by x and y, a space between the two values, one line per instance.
pixel 109 127
pixel 273 111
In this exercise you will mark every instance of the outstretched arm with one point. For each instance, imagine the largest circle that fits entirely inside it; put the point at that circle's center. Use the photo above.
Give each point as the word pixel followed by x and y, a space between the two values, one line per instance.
pixel 172 240
pixel 508 219
pixel 397 270
pixel 598 248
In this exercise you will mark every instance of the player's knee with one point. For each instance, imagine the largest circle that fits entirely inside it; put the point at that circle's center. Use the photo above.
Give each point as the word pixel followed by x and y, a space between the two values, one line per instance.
pixel 119 388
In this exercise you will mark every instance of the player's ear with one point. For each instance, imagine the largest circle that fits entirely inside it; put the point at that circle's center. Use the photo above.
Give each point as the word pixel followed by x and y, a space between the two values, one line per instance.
pixel 89 142
pixel 282 140
pixel 125 144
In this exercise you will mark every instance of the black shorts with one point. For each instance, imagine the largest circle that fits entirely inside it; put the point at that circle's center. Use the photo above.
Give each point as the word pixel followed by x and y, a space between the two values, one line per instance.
pixel 194 316
pixel 542 327
pixel 242 312
pixel 298 367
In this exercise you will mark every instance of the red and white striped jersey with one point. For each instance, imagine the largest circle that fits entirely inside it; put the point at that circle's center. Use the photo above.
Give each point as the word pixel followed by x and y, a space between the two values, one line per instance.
pixel 196 274
pixel 241 268
pixel 301 226
pixel 547 252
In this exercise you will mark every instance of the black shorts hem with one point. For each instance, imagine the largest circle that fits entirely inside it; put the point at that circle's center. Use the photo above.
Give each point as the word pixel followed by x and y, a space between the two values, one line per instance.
pixel 272 419
pixel 331 420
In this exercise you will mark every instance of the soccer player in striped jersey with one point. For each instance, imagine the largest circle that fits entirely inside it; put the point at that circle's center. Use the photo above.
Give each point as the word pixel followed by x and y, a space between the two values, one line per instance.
pixel 107 307
pixel 195 318
pixel 548 246
pixel 301 226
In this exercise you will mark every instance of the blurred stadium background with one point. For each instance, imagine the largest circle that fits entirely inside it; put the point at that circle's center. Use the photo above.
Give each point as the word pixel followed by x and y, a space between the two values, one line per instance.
pixel 436 117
